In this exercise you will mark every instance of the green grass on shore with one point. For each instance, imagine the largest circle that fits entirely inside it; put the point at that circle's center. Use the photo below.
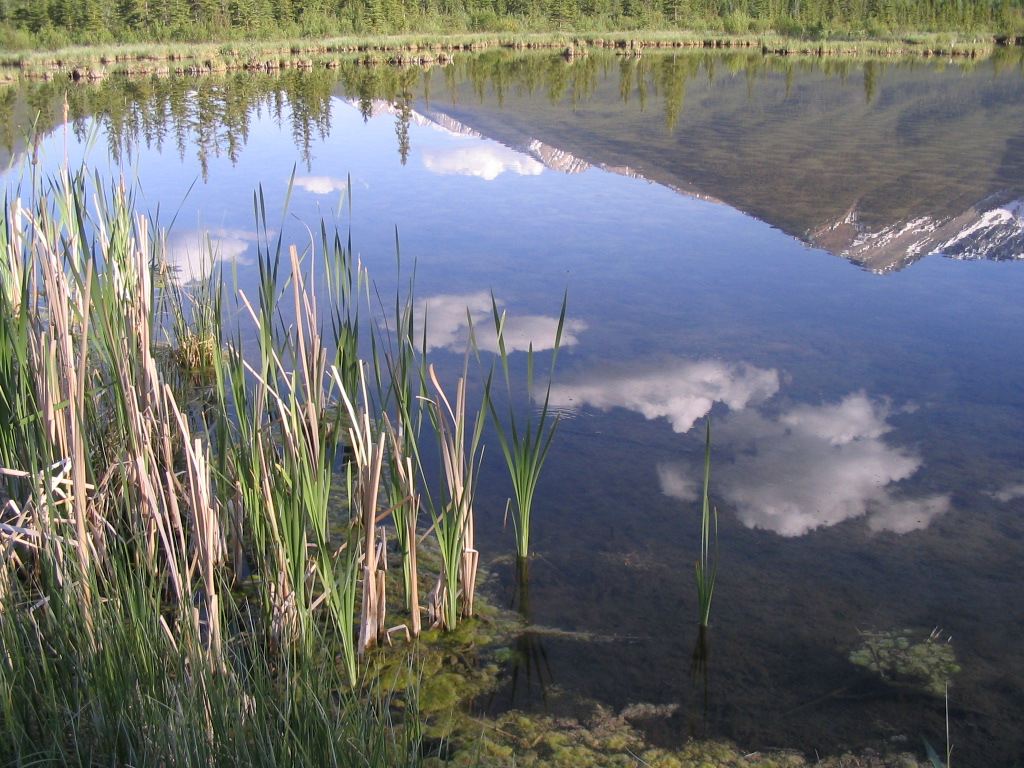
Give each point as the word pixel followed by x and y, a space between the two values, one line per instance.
pixel 97 62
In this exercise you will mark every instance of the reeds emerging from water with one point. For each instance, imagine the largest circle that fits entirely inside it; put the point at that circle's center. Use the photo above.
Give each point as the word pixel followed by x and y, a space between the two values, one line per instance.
pixel 185 557
pixel 526 442
pixel 706 565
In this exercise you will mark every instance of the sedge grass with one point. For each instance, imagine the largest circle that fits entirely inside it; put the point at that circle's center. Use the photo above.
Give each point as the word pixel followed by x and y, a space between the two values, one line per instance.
pixel 526 442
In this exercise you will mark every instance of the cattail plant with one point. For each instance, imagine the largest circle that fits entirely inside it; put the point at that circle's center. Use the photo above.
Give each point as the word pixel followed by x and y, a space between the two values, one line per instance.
pixel 180 576
pixel 453 523
pixel 400 376
pixel 364 487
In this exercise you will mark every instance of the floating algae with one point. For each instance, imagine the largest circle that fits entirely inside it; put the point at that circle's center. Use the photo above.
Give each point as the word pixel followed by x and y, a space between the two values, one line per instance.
pixel 908 655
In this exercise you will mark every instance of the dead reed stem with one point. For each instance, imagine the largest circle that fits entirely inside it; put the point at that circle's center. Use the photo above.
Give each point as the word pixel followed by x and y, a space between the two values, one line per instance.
pixel 455 530
pixel 405 515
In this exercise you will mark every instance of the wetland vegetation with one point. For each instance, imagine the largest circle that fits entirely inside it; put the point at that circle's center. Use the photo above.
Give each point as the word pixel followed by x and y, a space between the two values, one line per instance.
pixel 93 39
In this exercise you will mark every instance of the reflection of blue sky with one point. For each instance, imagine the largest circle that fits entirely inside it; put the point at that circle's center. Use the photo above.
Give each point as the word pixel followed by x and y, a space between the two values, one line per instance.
pixel 448 318
pixel 811 467
pixel 630 253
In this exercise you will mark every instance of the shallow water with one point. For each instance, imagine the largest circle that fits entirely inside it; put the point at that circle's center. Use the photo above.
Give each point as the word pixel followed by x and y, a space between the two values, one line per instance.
pixel 867 422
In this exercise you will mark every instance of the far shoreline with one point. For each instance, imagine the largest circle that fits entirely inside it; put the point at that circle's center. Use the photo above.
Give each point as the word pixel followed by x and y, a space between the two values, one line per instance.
pixel 92 63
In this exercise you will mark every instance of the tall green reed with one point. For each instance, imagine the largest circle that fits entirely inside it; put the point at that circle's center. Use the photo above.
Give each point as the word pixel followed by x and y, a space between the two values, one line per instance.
pixel 526 442
pixel 400 376
pixel 706 565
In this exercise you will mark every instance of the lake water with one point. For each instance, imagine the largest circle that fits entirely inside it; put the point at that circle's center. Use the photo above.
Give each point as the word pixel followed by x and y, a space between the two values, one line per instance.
pixel 826 257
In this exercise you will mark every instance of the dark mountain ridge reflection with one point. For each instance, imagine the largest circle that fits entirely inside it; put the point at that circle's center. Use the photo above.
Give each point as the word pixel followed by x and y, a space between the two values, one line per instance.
pixel 881 163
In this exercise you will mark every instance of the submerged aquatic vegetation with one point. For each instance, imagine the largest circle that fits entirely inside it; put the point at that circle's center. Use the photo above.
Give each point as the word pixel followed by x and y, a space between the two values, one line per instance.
pixel 918 657
pixel 609 739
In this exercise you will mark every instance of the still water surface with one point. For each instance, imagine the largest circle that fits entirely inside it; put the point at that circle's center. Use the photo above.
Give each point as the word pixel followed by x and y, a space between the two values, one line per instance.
pixel 702 212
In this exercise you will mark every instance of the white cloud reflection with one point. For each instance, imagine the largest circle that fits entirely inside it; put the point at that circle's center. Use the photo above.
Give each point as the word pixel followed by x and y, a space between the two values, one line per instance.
pixel 485 160
pixel 1008 492
pixel 447 323
pixel 321 185
pixel 812 467
pixel 681 393
pixel 193 252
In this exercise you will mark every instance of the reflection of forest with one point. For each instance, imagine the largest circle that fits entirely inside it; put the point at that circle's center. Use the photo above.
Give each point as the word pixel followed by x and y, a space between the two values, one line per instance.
pixel 209 116
pixel 826 149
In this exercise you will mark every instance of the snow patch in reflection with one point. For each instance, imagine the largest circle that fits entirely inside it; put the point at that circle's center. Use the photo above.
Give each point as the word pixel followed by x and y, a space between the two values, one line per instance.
pixel 682 393
pixel 812 467
pixel 193 252
pixel 484 160
pixel 447 321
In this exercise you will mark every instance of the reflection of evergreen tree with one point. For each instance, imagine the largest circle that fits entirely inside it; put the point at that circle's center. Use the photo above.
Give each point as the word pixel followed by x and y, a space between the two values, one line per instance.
pixel 209 116
pixel 627 70
pixel 407 81
pixel 557 80
pixel 869 81
pixel 583 79
pixel 402 125
pixel 671 75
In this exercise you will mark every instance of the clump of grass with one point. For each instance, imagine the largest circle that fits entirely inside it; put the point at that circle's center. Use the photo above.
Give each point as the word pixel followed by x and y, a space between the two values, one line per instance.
pixel 526 441
pixel 121 643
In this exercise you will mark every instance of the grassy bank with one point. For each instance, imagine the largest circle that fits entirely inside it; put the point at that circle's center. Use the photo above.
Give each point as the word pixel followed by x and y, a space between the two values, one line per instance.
pixel 100 61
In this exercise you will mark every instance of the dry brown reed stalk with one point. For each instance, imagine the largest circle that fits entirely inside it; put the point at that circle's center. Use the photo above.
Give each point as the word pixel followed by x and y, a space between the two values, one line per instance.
pixel 405 515
pixel 19 531
pixel 368 454
pixel 60 369
pixel 208 542
pixel 454 526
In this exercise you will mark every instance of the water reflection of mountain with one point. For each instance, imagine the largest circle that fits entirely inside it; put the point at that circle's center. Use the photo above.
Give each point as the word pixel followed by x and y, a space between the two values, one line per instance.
pixel 543 155
pixel 881 164
pixel 990 229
